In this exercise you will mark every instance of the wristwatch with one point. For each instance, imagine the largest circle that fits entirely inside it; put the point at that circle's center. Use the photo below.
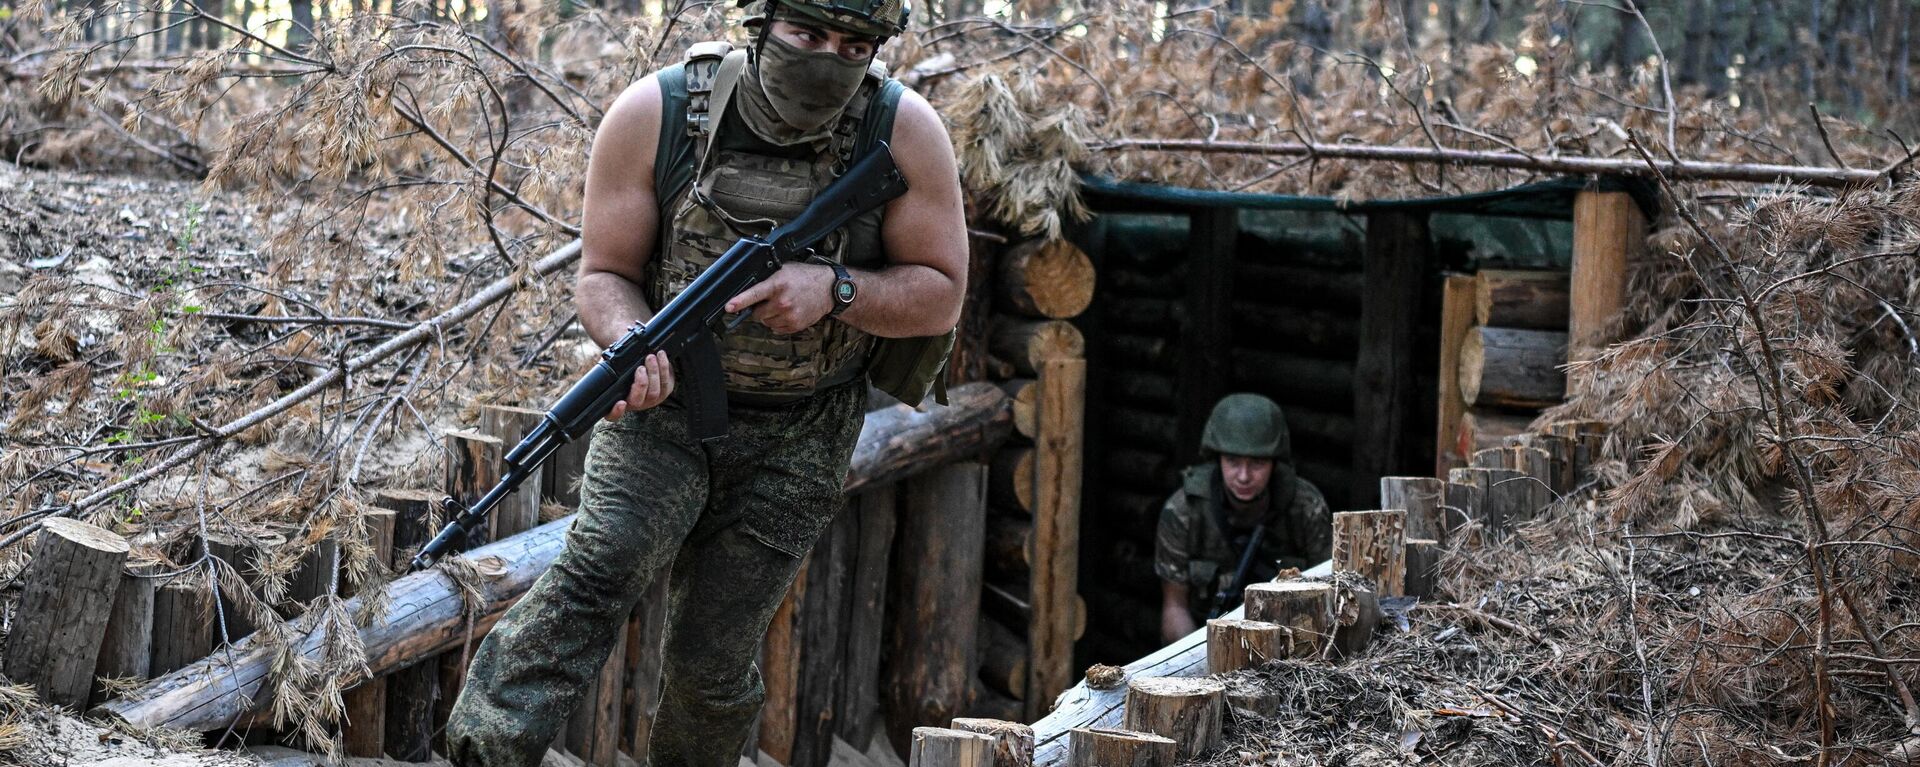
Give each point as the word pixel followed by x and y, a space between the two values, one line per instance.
pixel 843 288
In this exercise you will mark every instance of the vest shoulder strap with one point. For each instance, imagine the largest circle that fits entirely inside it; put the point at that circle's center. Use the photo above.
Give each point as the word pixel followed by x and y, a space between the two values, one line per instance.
pixel 684 90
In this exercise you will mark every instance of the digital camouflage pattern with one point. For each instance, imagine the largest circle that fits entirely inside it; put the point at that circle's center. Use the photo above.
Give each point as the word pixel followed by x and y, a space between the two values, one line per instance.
pixel 732 518
pixel 1192 547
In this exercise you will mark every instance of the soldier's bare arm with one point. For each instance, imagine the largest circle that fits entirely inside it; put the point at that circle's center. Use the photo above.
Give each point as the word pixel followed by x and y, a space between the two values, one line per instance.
pixel 617 235
pixel 924 234
pixel 1175 621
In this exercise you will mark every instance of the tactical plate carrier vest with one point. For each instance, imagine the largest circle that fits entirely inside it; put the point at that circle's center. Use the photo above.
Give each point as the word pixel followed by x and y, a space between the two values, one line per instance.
pixel 717 182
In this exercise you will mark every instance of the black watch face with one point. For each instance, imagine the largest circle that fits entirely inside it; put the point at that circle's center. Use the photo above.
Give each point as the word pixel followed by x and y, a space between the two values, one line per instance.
pixel 843 291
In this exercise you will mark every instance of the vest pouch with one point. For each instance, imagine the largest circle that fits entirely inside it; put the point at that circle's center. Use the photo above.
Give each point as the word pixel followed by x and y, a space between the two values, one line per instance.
pixel 907 368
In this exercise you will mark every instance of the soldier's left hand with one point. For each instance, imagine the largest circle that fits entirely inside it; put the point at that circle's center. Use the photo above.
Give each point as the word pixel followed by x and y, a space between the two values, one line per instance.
pixel 790 301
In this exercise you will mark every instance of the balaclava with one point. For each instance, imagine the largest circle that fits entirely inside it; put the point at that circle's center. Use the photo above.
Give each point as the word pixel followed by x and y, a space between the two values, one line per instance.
pixel 792 96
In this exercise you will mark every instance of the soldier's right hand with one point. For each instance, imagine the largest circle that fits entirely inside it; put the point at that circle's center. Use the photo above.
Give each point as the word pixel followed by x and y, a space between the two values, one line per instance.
pixel 652 384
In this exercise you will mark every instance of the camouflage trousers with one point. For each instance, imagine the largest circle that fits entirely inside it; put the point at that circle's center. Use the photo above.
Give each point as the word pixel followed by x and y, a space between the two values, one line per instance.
pixel 732 518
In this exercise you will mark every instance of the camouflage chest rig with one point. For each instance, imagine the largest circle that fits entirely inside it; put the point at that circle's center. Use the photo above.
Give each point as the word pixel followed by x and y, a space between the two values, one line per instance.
pixel 717 182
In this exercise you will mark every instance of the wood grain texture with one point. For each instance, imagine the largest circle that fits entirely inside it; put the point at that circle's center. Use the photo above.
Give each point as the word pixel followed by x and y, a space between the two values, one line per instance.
pixel 1106 747
pixel 183 630
pixel 1191 712
pixel 520 511
pixel 1303 608
pixel 1026 344
pixel 1046 278
pixel 1372 544
pixel 364 720
pixel 1057 617
pixel 943 747
pixel 1456 318
pixel 1423 567
pixel 1234 644
pixel 1012 741
pixel 1420 497
pixel 126 646
pixel 64 609
pixel 1505 367
pixel 1512 298
pixel 936 589
pixel 1397 257
pixel 1609 232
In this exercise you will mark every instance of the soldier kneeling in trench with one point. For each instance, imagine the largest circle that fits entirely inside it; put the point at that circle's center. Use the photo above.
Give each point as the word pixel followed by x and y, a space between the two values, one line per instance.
pixel 1238 518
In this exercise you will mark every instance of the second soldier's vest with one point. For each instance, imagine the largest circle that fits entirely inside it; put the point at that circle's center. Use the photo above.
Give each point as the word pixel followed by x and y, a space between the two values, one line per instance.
pixel 717 182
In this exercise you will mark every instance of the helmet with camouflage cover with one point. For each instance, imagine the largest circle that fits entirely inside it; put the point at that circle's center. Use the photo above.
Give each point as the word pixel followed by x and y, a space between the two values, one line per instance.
pixel 880 18
pixel 1249 425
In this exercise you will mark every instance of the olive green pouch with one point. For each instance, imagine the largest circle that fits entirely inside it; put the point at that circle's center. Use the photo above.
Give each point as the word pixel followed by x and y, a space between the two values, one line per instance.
pixel 908 368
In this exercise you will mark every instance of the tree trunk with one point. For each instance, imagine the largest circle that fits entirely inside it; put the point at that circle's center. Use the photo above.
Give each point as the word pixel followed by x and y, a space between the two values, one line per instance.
pixel 1423 567
pixel 64 609
pixel 1003 659
pixel 1502 367
pixel 941 747
pixel 937 565
pixel 1527 300
pixel 1303 608
pixel 1234 644
pixel 1027 344
pixel 1100 747
pixel 1420 498
pixel 183 631
pixel 1051 279
pixel 126 649
pixel 1190 712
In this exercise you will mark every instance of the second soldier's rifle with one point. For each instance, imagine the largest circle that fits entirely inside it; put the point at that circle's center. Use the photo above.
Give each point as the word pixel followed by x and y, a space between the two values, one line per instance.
pixel 1229 593
pixel 684 322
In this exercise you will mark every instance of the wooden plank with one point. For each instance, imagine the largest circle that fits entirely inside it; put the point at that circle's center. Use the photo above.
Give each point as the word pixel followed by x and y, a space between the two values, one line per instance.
pixel 825 612
pixel 1056 531
pixel 866 627
pixel 520 511
pixel 1205 363
pixel 1609 231
pixel 781 673
pixel 646 630
pixel 1511 298
pixel 1456 317
pixel 363 726
pixel 407 733
pixel 936 576
pixel 593 728
pixel 472 468
pixel 1397 257
pixel 126 649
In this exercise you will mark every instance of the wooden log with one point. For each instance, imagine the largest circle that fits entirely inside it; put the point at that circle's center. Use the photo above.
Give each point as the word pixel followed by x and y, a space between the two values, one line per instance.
pixel 1559 461
pixel 1609 231
pixel 1456 318
pixel 988 703
pixel 520 511
pixel 1010 478
pixel 1324 384
pixel 646 631
pixel 1029 343
pixel 126 647
pixel 560 475
pixel 1003 659
pixel 1143 469
pixel 1372 544
pixel 779 716
pixel 1234 644
pixel 1420 497
pixel 407 732
pixel 1103 747
pixel 1587 438
pixel 1025 398
pixel 943 747
pixel 242 554
pixel 970 360
pixel 1504 367
pixel 473 462
pixel 1190 712
pixel 1304 608
pixel 425 612
pixel 315 576
pixel 937 566
pixel 1397 257
pixel 1423 567
pixel 898 441
pixel 1252 697
pixel 1537 468
pixel 183 629
pixel 1012 741
pixel 1484 429
pixel 1462 505
pixel 1525 299
pixel 1493 458
pixel 1314 427
pixel 1329 334
pixel 1141 388
pixel 1143 353
pixel 1359 617
pixel 1009 548
pixel 1337 290
pixel 63 611
pixel 1129 314
pixel 1059 616
pixel 1502 496
pixel 866 631
pixel 593 729
pixel 1203 353
pixel 1146 429
pixel 822 642
pixel 1046 278
pixel 364 721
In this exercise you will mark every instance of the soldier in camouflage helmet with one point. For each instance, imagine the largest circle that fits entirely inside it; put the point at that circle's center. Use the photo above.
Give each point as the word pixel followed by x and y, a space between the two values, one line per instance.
pixel 1246 495
pixel 728 143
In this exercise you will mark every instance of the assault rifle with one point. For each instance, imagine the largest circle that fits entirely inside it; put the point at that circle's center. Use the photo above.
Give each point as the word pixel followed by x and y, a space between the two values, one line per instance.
pixel 1229 593
pixel 683 325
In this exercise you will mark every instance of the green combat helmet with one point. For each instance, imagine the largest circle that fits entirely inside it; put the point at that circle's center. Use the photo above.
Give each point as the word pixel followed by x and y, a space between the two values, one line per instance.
pixel 880 18
pixel 1249 425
